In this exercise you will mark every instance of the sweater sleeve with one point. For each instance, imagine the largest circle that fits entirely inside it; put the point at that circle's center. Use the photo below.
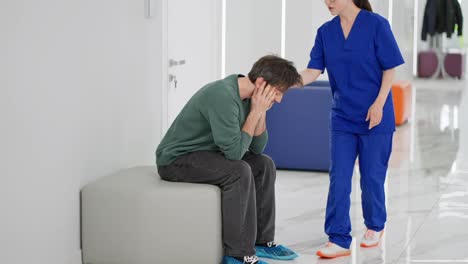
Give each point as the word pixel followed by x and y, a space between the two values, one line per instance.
pixel 259 143
pixel 223 116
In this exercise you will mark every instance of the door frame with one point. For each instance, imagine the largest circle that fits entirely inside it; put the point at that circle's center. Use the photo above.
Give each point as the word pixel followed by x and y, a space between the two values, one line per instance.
pixel 217 26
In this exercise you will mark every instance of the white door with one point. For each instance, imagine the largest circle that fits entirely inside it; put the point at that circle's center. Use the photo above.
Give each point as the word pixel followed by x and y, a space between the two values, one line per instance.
pixel 193 50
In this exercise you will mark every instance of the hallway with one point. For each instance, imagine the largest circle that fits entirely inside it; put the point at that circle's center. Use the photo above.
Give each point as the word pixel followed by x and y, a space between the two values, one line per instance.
pixel 427 190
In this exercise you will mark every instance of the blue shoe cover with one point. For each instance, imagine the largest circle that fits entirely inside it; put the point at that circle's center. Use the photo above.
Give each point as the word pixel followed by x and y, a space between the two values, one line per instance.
pixel 279 252
pixel 231 260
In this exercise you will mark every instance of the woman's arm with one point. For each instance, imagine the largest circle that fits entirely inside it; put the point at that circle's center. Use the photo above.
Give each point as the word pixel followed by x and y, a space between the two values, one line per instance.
pixel 376 110
pixel 310 75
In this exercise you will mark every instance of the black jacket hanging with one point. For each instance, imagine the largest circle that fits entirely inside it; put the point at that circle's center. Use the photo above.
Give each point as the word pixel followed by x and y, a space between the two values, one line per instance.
pixel 430 19
pixel 441 16
pixel 453 17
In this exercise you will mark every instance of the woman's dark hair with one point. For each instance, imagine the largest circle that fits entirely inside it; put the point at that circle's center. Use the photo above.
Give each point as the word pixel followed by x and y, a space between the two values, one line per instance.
pixel 276 71
pixel 363 4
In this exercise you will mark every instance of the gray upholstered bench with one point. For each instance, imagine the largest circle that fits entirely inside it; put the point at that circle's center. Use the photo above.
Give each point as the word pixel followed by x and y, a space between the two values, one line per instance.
pixel 135 217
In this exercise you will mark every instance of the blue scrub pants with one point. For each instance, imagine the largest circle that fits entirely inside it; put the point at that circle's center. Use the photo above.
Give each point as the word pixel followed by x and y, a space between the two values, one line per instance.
pixel 374 152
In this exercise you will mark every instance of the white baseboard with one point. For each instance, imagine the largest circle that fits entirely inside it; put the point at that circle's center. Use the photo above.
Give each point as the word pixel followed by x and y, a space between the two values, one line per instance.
pixel 76 257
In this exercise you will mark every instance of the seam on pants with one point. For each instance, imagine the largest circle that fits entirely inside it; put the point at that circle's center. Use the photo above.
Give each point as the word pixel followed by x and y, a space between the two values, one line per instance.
pixel 242 224
pixel 368 176
pixel 334 186
pixel 261 206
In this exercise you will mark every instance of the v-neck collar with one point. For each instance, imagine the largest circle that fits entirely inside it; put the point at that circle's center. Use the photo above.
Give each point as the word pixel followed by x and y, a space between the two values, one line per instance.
pixel 345 39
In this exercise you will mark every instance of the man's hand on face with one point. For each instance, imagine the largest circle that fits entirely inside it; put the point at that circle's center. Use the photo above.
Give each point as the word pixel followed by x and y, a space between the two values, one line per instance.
pixel 263 98
pixel 271 104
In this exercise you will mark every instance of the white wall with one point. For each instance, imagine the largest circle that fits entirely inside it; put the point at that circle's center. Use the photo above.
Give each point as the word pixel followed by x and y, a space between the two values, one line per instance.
pixel 303 18
pixel 251 32
pixel 464 7
pixel 79 99
pixel 382 7
pixel 253 29
pixel 403 28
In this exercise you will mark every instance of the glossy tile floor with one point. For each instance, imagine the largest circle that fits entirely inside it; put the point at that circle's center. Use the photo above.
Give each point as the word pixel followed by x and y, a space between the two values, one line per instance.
pixel 427 190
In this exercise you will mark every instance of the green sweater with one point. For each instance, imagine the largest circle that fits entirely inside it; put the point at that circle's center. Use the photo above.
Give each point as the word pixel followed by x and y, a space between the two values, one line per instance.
pixel 212 120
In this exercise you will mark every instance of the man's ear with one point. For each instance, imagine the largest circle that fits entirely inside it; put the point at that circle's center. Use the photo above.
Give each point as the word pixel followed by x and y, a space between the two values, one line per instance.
pixel 259 81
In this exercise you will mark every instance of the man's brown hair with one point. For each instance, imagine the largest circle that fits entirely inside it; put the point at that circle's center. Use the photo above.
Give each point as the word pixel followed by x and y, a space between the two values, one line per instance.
pixel 276 71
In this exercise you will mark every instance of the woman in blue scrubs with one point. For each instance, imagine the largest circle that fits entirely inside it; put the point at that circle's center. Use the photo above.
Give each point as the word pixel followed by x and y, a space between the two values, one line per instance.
pixel 360 53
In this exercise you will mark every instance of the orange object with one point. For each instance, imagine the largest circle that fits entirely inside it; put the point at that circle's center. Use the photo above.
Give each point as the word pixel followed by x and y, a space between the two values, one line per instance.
pixel 402 94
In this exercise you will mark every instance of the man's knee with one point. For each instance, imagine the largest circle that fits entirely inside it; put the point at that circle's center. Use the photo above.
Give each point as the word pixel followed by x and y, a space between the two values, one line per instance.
pixel 265 159
pixel 243 170
pixel 264 163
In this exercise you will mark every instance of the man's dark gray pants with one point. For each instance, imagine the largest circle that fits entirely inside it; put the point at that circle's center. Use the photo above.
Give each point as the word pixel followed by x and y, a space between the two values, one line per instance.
pixel 248 194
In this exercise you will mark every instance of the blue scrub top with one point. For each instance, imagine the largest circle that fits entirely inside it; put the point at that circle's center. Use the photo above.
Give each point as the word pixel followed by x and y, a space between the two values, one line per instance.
pixel 355 68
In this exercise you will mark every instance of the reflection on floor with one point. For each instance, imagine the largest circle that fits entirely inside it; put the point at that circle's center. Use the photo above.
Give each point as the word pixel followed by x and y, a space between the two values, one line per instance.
pixel 427 190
